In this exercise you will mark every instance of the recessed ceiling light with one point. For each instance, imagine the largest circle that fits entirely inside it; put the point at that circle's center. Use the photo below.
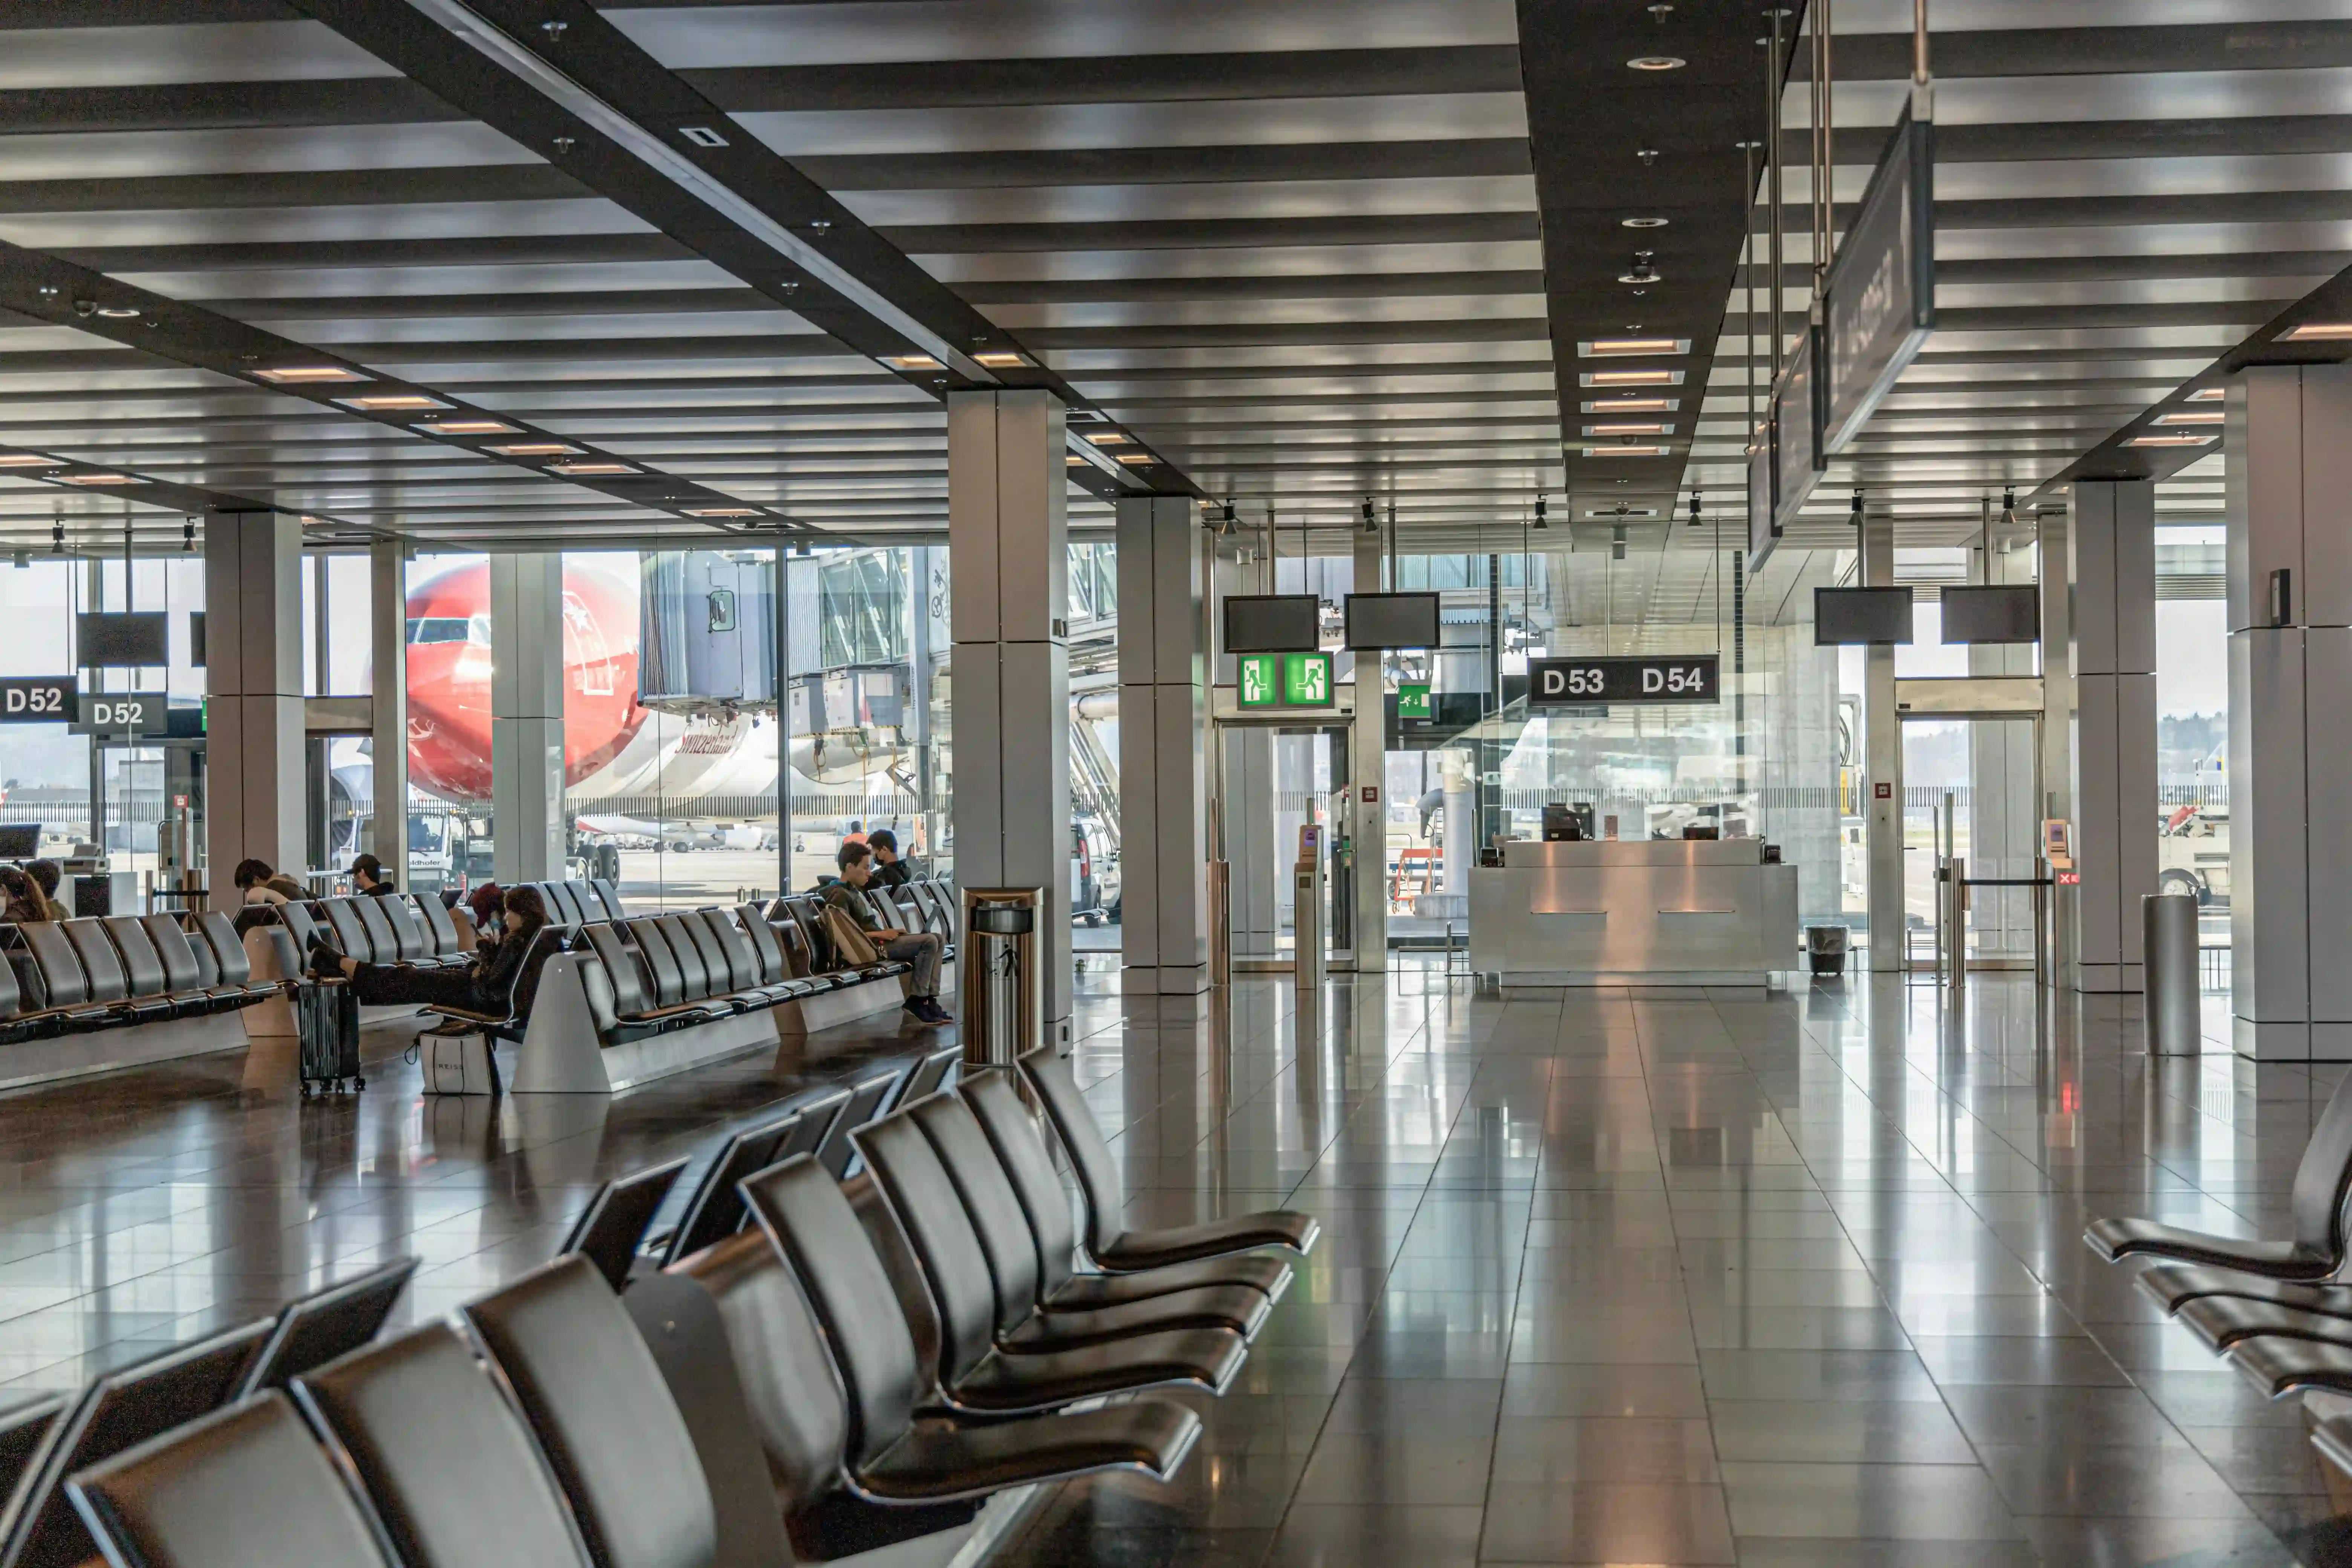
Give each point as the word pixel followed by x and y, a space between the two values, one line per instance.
pixel 1641 222
pixel 702 135
pixel 912 362
pixel 392 403
pixel 2206 395
pixel 2184 439
pixel 723 511
pixel 1002 359
pixel 467 427
pixel 1602 348
pixel 2319 331
pixel 26 460
pixel 1629 429
pixel 1641 275
pixel 1138 459
pixel 533 449
pixel 588 470
pixel 1631 378
pixel 2193 416
pixel 1111 438
pixel 1075 461
pixel 1632 405
pixel 118 313
pixel 102 480
pixel 288 374
pixel 1656 62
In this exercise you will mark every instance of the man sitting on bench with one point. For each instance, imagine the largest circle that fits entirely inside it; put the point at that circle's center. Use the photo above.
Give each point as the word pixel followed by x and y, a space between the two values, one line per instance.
pixel 920 949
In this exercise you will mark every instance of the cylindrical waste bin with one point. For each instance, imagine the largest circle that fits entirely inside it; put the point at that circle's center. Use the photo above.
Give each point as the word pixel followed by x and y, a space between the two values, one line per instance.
pixel 1003 975
pixel 2169 943
pixel 1825 949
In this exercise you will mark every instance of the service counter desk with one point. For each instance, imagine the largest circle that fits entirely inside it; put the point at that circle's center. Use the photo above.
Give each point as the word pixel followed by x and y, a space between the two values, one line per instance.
pixel 1634 912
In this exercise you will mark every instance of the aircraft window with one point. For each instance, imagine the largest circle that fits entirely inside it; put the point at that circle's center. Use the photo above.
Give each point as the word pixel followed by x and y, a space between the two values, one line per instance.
pixel 722 609
pixel 437 628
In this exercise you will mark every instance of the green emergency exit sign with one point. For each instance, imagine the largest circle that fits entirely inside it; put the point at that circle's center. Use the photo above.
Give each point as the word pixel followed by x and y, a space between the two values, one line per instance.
pixel 1283 680
pixel 1412 701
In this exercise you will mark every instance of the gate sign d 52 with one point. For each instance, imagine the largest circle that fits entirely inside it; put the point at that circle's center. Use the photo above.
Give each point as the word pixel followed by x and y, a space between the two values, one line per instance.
pixel 1579 682
pixel 38 700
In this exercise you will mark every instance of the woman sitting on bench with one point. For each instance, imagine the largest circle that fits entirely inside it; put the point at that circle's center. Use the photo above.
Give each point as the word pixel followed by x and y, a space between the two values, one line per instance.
pixel 483 987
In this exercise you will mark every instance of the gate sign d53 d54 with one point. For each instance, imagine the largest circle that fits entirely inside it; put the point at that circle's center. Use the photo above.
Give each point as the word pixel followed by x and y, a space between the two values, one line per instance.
pixel 1577 682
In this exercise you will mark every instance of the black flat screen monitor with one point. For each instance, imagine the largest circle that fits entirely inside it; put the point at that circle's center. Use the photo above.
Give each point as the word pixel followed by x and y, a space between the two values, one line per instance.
pixel 1273 623
pixel 19 840
pixel 121 638
pixel 1844 615
pixel 2001 614
pixel 1391 620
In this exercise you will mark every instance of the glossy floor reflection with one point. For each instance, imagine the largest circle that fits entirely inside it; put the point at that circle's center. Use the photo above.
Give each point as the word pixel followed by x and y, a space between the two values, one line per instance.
pixel 1703 1277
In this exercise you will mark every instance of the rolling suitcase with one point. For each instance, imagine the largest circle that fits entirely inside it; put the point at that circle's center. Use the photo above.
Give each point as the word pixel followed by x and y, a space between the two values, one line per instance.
pixel 328 1019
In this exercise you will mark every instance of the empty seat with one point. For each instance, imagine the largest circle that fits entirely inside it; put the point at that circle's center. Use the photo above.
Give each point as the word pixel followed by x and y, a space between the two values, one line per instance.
pixel 350 933
pixel 447 1462
pixel 248 1485
pixel 1019 1146
pixel 22 1425
pixel 931 1073
pixel 409 938
pixel 64 989
pixel 716 1210
pixel 888 1453
pixel 193 981
pixel 610 1228
pixel 382 936
pixel 870 1093
pixel 2315 1250
pixel 327 1323
pixel 1113 1246
pixel 438 926
pixel 2279 1364
pixel 979 1370
pixel 590 1390
pixel 142 967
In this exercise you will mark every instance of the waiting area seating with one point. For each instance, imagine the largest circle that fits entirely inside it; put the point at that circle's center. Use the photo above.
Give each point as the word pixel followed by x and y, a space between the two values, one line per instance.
pixel 147 987
pixel 2279 1311
pixel 768 1397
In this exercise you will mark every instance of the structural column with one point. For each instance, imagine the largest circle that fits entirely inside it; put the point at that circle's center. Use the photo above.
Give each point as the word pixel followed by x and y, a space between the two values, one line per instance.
pixel 2287 454
pixel 2111 549
pixel 1368 827
pixel 527 717
pixel 253 673
pixel 388 702
pixel 1009 564
pixel 2051 559
pixel 1163 710
pixel 1882 767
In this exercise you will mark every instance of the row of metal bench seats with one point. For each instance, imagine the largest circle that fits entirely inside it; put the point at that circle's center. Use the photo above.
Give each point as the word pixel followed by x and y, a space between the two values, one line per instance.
pixel 577 903
pixel 658 972
pixel 768 1398
pixel 2280 1312
pixel 77 975
pixel 404 928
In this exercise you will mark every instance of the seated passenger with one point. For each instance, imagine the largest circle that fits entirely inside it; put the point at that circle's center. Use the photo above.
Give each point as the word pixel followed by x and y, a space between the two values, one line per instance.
pixel 368 877
pixel 482 987
pixel 891 870
pixel 921 949
pixel 261 885
pixel 48 876
pixel 20 897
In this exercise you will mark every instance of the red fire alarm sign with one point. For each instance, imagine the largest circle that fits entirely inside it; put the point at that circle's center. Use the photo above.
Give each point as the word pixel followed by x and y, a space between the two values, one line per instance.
pixel 1371 795
pixel 1883 791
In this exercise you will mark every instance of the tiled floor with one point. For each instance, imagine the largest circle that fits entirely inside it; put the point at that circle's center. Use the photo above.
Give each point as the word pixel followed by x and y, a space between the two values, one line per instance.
pixel 1705 1277
pixel 1660 1278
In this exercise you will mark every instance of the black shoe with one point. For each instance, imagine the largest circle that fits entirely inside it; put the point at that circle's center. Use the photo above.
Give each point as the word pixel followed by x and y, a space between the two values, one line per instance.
pixel 924 1011
pixel 933 1013
pixel 325 959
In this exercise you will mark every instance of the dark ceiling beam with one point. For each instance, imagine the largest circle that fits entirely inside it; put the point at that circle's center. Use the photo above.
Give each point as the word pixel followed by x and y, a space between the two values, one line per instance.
pixel 219 105
pixel 43 288
pixel 1459 158
pixel 575 42
pixel 1242 288
pixel 1162 234
pixel 314 254
pixel 2092 51
pixel 303 188
pixel 17 14
pixel 1110 78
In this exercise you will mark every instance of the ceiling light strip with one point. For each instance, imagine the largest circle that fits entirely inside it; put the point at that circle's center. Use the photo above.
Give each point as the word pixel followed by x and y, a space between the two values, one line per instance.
pixel 461 20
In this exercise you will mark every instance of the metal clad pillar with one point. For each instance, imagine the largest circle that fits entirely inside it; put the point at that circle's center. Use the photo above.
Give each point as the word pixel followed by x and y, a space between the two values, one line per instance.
pixel 2111 545
pixel 1883 756
pixel 526 834
pixel 2287 457
pixel 388 701
pixel 2052 559
pixel 1368 831
pixel 1163 710
pixel 253 643
pixel 1009 559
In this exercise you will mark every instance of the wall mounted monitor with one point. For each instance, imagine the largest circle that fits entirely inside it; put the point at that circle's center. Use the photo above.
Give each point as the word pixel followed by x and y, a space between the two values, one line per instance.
pixel 1273 623
pixel 20 840
pixel 1843 616
pixel 123 638
pixel 2001 614
pixel 1391 620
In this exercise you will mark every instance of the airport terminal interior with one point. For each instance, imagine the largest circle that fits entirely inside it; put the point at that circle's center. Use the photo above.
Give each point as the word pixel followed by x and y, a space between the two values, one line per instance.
pixel 1175 783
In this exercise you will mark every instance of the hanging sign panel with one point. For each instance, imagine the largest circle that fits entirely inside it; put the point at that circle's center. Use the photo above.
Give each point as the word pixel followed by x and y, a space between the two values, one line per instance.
pixel 1763 529
pixel 1878 302
pixel 1580 683
pixel 38 699
pixel 1796 433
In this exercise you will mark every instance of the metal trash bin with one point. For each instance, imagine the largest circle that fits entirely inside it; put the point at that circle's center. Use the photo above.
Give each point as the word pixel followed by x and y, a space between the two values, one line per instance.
pixel 2168 945
pixel 1002 975
pixel 1825 948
